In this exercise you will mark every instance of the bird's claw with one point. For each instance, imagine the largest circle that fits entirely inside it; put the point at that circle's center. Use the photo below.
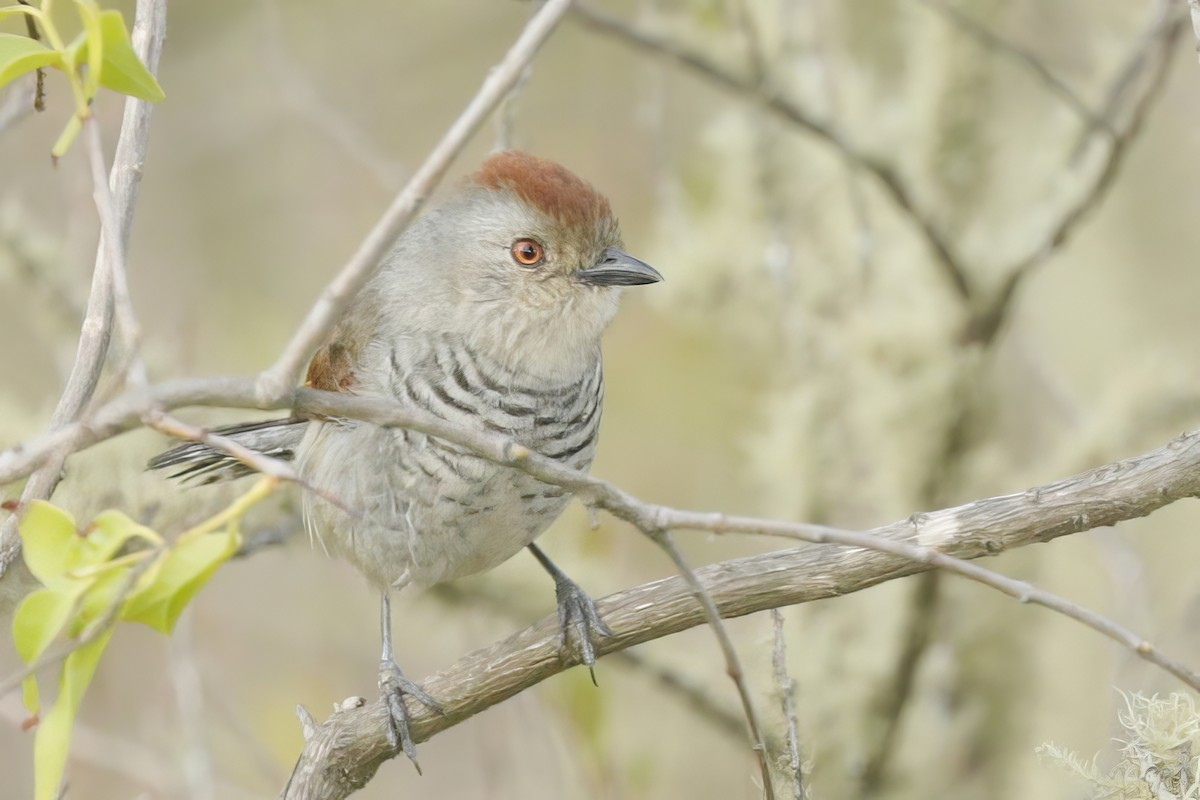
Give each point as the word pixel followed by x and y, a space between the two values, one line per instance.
pixel 577 613
pixel 393 686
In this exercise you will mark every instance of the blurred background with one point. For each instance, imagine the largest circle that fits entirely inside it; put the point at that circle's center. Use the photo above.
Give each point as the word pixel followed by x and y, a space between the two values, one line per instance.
pixel 809 357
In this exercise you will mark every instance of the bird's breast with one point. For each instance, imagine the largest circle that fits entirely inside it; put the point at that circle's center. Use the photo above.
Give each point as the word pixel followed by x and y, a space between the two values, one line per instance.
pixel 438 511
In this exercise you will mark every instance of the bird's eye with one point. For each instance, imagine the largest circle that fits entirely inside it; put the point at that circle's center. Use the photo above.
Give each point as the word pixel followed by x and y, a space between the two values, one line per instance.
pixel 527 252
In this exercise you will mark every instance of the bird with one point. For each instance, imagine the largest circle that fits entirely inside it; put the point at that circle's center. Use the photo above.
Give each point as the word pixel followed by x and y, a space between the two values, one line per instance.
pixel 488 312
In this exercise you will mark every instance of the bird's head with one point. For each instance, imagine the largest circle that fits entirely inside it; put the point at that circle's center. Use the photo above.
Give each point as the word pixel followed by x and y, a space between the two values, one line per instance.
pixel 534 259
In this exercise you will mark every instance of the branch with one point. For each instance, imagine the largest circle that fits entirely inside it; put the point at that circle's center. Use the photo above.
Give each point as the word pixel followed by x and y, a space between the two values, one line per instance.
pixel 787 702
pixel 345 751
pixel 1120 491
pixel 278 380
pixel 149 30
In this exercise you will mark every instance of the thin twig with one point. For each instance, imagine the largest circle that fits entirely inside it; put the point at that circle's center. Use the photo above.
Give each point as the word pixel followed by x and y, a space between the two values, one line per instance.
pixel 1155 31
pixel 991 319
pixel 787 702
pixel 135 368
pixel 39 95
pixel 506 114
pixel 280 377
pixel 733 665
pixel 149 30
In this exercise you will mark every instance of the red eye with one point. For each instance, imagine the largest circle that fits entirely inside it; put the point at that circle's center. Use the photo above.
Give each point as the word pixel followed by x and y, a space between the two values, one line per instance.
pixel 527 252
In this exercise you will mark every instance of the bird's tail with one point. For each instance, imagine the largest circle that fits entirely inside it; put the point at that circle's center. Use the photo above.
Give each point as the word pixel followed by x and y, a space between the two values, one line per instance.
pixel 200 464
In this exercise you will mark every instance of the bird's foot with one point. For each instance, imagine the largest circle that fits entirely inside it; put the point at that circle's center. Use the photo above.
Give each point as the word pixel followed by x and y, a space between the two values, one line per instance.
pixel 393 685
pixel 578 614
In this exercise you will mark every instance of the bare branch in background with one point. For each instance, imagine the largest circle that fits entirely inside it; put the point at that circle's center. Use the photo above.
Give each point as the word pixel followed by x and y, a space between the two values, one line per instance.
pixel 772 99
pixel 988 323
pixel 1159 28
pixel 149 31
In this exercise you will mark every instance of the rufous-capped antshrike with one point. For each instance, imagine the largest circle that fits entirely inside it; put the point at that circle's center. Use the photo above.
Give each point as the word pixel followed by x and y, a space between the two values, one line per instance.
pixel 487 312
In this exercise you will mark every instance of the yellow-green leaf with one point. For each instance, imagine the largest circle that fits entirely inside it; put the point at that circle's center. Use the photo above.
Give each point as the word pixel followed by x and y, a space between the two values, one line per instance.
pixel 89 14
pixel 37 622
pixel 76 51
pixel 120 69
pixel 99 598
pixel 107 534
pixel 20 54
pixel 184 570
pixel 66 138
pixel 53 738
pixel 49 539
pixel 13 11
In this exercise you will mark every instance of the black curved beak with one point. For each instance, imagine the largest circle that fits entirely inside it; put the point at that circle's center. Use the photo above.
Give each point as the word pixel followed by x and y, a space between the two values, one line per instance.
pixel 618 268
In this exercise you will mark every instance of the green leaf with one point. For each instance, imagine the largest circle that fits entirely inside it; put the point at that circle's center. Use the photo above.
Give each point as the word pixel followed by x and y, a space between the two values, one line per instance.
pixel 66 138
pixel 57 552
pixel 89 14
pixel 121 69
pixel 107 534
pixel 99 598
pixel 20 54
pixel 15 11
pixel 37 622
pixel 184 570
pixel 76 52
pixel 49 538
pixel 53 738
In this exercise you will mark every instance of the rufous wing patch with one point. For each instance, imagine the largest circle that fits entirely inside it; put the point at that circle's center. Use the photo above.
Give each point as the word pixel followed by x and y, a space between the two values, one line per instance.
pixel 330 369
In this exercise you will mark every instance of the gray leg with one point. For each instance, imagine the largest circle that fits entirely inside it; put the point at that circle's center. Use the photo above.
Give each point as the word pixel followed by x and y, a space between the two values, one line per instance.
pixel 576 612
pixel 394 686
